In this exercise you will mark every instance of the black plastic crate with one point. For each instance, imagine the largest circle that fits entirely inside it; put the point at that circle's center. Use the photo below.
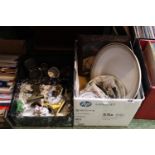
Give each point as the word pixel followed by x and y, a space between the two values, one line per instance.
pixel 60 59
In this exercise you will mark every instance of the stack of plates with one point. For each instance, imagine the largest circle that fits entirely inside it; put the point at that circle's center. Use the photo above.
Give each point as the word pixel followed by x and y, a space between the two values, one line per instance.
pixel 119 60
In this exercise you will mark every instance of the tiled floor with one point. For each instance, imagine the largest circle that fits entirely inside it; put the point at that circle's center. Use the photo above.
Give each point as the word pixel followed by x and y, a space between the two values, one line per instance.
pixel 135 124
pixel 138 124
pixel 142 124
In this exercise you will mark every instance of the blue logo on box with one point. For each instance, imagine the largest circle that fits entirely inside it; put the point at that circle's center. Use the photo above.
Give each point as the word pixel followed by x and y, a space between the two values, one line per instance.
pixel 85 104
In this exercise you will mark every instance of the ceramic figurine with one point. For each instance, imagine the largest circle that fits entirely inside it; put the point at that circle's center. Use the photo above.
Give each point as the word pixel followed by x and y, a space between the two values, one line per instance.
pixel 25 88
pixel 56 90
pixel 20 106
pixel 40 111
pixel 44 90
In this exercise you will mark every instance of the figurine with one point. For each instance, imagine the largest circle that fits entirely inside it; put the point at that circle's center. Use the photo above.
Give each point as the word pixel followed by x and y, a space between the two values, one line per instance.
pixel 40 111
pixel 44 90
pixel 20 106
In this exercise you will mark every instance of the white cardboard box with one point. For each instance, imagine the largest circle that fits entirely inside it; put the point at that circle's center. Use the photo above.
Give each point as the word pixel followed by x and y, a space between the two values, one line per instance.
pixel 103 112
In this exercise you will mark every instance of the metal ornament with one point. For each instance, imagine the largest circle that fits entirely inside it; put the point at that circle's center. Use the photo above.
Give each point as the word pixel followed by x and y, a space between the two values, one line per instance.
pixel 53 72
pixel 35 73
pixel 44 68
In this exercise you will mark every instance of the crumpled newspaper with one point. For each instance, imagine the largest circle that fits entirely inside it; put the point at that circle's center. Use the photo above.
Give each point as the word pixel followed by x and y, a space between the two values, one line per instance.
pixel 105 86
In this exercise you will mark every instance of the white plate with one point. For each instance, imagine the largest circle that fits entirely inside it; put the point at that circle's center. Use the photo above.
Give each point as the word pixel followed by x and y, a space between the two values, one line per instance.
pixel 119 60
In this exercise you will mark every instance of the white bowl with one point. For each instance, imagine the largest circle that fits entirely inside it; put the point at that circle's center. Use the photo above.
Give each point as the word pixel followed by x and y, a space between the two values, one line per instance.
pixel 119 60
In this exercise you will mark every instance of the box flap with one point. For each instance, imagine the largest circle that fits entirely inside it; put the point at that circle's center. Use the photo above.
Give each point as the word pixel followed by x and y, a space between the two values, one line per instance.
pixel 16 47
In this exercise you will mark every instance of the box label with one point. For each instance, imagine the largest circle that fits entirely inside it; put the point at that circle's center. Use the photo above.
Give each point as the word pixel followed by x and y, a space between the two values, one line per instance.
pixel 103 113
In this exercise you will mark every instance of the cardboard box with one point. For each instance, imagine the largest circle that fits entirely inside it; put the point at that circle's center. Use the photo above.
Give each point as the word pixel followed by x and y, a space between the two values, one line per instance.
pixel 103 112
pixel 147 109
pixel 9 47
